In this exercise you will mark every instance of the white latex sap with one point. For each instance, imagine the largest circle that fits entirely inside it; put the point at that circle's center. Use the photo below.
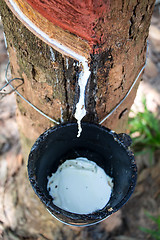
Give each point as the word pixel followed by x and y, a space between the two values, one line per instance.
pixel 80 106
pixel 80 186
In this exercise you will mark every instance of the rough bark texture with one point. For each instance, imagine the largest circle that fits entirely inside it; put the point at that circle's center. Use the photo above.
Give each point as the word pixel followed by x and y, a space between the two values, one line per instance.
pixel 50 83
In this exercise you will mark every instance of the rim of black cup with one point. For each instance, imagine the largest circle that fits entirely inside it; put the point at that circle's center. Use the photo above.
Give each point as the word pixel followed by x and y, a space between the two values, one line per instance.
pixel 64 216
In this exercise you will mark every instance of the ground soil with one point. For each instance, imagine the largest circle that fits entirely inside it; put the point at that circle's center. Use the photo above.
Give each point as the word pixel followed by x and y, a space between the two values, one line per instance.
pixel 126 223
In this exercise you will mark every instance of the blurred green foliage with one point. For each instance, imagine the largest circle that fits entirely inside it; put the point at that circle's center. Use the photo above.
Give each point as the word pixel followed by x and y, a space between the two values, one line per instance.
pixel 145 131
pixel 154 233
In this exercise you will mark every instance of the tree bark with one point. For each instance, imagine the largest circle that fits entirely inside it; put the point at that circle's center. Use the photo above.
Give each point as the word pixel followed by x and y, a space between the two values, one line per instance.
pixel 51 84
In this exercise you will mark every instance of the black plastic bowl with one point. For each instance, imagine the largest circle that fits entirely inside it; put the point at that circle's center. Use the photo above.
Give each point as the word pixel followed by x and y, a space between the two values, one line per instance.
pixel 99 144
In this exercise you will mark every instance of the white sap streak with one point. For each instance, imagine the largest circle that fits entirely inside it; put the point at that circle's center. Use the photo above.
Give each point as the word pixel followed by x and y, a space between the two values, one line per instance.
pixel 62 120
pixel 84 75
pixel 52 55
pixel 67 65
pixel 80 107
pixel 5 41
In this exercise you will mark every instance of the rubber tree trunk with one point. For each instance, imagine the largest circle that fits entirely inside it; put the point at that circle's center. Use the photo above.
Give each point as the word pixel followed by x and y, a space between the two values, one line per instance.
pixel 51 84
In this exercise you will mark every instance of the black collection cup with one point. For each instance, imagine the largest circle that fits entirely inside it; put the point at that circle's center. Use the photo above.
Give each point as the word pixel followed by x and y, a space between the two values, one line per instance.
pixel 107 149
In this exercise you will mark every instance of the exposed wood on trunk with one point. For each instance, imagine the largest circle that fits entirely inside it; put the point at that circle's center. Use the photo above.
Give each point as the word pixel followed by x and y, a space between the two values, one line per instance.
pixel 51 84
pixel 46 30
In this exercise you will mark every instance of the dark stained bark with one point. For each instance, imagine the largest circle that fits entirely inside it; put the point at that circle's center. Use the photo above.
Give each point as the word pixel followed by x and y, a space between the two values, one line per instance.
pixel 51 84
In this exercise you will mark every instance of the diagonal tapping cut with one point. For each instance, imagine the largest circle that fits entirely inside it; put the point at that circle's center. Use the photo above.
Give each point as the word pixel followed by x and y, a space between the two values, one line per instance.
pixel 83 62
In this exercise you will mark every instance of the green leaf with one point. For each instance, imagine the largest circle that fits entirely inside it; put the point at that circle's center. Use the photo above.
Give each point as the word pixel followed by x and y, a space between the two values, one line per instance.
pixel 147 129
pixel 153 233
